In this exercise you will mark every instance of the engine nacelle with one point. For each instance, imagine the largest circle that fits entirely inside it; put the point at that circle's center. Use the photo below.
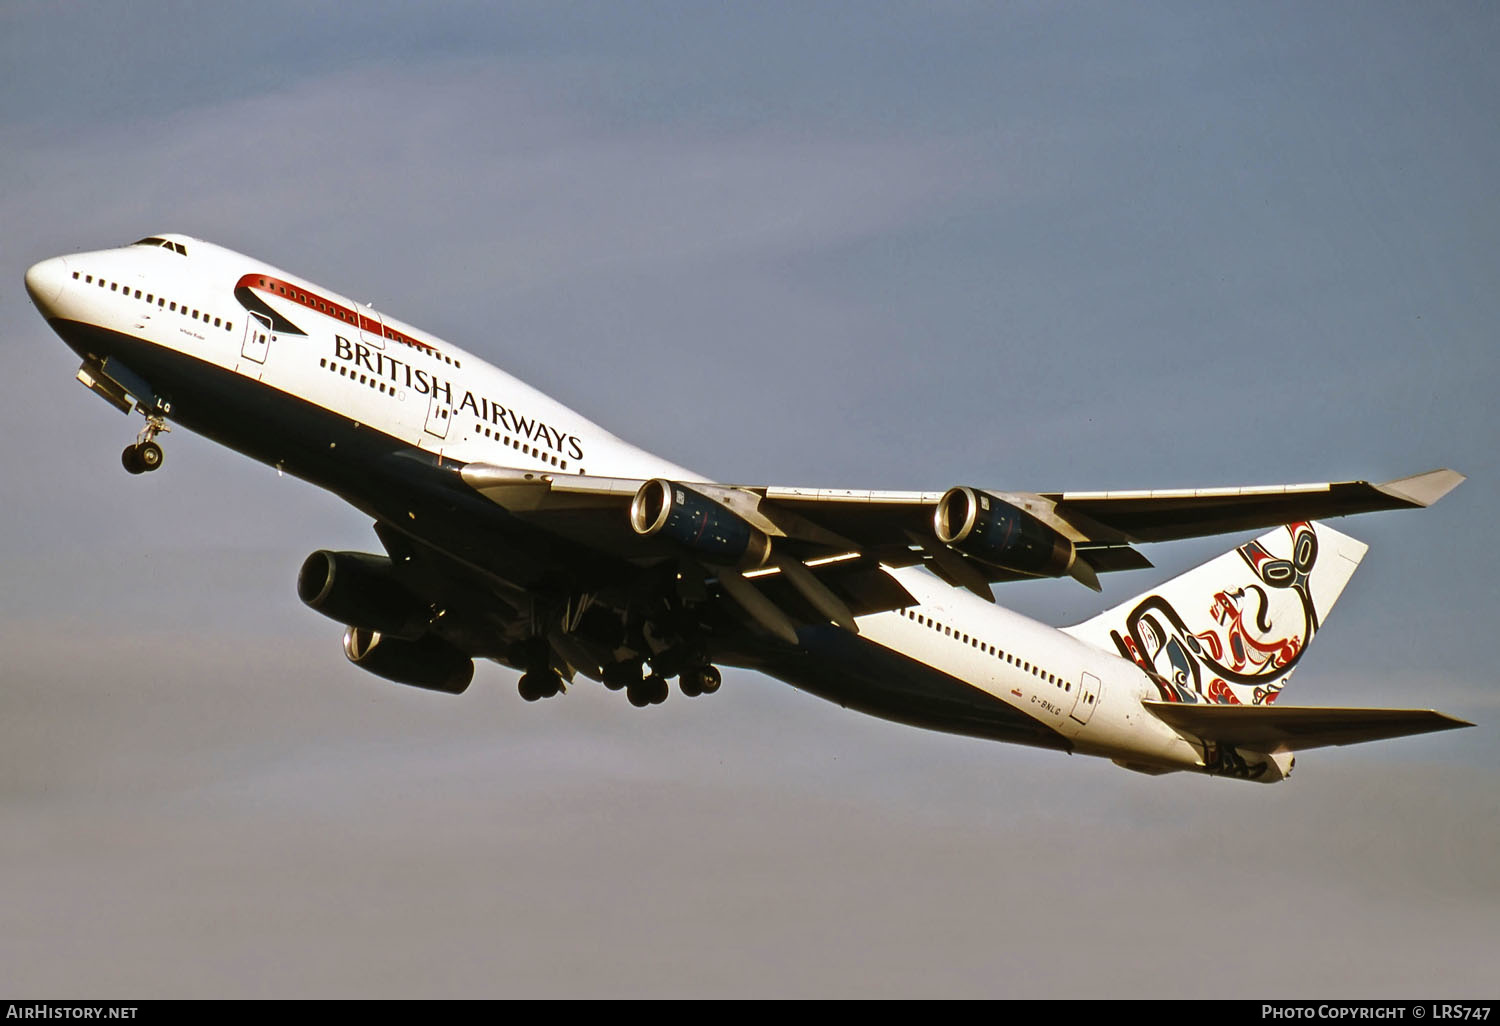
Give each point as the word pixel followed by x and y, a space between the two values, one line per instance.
pixel 699 524
pixel 361 589
pixel 428 662
pixel 998 534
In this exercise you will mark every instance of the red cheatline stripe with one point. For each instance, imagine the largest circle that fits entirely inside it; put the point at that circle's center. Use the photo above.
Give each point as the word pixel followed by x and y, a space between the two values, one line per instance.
pixel 323 305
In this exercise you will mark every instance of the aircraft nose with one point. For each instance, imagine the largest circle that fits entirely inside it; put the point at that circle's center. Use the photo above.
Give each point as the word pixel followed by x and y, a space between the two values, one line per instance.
pixel 45 281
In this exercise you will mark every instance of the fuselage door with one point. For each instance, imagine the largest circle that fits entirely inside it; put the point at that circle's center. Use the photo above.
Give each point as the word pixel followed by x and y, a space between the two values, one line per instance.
pixel 1087 698
pixel 371 327
pixel 439 413
pixel 257 337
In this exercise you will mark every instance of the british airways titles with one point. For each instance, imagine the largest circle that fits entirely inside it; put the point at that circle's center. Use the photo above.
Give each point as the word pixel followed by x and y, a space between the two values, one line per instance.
pixel 422 382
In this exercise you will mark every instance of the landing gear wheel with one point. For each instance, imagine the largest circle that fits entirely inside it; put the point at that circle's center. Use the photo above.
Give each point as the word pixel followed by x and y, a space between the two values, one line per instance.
pixel 651 691
pixel 622 674
pixel 539 684
pixel 657 686
pixel 145 454
pixel 700 680
pixel 149 455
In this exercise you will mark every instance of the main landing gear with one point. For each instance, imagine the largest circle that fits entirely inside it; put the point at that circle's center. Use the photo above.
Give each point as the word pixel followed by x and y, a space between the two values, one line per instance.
pixel 652 688
pixel 539 680
pixel 145 454
pixel 649 690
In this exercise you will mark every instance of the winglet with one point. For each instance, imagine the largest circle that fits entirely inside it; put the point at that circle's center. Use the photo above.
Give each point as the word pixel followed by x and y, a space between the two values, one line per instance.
pixel 1423 489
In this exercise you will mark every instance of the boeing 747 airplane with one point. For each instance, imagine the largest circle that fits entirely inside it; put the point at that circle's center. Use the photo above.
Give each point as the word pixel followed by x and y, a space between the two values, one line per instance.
pixel 518 531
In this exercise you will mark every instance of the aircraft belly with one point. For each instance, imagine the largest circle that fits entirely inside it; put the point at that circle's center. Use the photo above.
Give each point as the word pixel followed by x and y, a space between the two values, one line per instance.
pixel 859 674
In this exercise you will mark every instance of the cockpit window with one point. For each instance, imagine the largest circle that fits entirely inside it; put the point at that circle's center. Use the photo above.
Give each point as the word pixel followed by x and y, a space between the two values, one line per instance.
pixel 152 240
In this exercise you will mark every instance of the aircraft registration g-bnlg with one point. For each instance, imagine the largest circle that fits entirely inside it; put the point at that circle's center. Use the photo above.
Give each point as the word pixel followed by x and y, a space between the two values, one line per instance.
pixel 516 530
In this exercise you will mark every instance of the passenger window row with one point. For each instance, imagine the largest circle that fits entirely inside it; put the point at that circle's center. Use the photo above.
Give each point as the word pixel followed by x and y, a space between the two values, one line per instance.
pixel 370 381
pixel 161 302
pixel 959 636
pixel 529 450
pixel 364 379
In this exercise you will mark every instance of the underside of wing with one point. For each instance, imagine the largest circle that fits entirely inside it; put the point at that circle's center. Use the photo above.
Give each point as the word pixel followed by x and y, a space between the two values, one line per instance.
pixel 1268 728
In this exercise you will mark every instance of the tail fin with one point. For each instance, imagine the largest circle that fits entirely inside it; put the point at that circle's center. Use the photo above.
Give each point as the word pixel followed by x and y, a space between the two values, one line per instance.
pixel 1232 631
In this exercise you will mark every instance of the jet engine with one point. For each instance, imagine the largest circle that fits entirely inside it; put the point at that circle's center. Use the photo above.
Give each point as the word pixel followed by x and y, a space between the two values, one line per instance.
pixel 361 589
pixel 429 662
pixel 998 534
pixel 699 524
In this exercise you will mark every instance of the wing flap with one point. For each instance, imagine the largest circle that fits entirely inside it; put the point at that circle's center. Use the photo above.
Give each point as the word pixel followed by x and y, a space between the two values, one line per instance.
pixel 1269 728
pixel 859 584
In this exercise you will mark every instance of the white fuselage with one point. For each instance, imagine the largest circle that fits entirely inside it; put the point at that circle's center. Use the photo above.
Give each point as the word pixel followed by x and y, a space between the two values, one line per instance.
pixel 294 337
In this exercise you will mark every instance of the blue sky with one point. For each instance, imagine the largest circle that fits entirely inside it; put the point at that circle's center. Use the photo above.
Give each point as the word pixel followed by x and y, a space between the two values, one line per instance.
pixel 899 246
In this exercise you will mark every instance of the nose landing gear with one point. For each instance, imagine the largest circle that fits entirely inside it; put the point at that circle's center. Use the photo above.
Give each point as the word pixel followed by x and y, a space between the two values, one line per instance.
pixel 145 454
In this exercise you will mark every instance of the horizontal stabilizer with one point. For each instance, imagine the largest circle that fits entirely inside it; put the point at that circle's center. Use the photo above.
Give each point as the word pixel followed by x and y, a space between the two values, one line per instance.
pixel 1269 728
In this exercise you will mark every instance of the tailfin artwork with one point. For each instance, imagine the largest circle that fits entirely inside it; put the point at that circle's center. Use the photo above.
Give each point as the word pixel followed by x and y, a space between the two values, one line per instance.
pixel 1231 631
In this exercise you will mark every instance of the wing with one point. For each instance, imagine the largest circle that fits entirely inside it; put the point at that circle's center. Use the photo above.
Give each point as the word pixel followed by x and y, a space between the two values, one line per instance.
pixel 1190 513
pixel 969 537
pixel 1270 729
pixel 594 575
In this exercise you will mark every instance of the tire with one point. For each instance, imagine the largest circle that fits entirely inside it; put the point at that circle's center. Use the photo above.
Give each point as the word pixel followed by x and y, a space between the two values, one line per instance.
pixel 149 455
pixel 656 689
pixel 130 459
pixel 529 687
pixel 620 675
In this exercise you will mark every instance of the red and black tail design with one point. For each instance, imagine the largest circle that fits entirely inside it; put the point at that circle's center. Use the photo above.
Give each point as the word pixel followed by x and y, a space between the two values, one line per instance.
pixel 1232 631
